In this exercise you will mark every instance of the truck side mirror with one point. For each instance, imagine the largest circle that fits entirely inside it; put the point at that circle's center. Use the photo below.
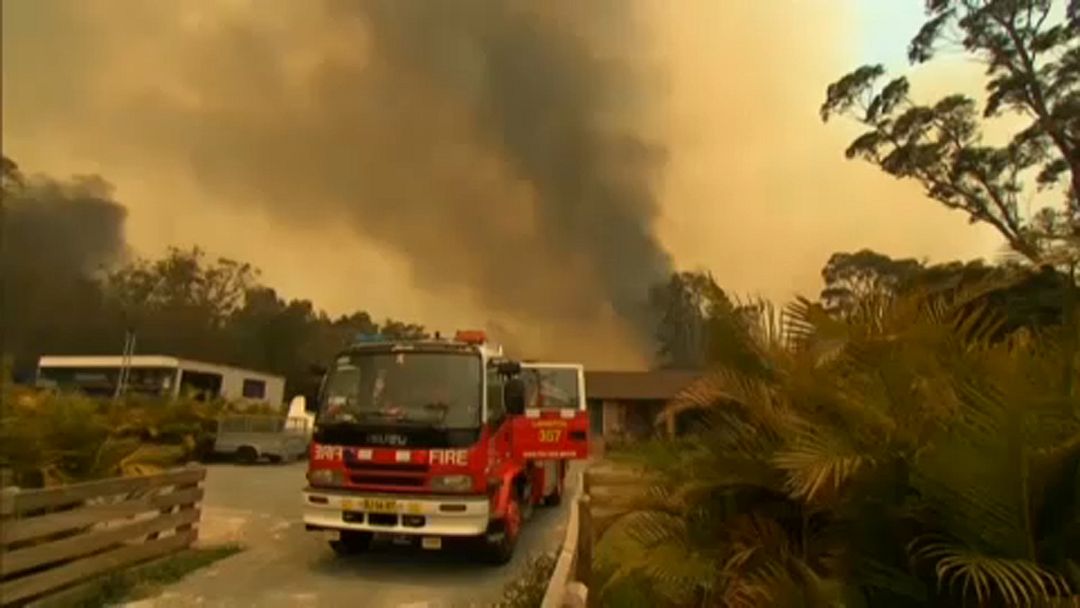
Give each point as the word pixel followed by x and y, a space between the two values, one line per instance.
pixel 514 396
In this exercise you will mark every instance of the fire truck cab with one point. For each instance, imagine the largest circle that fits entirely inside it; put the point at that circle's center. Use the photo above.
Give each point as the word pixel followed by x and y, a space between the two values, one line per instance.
pixel 440 442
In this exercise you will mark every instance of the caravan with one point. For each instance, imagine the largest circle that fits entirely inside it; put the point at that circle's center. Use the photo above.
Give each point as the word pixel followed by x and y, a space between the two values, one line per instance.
pixel 158 376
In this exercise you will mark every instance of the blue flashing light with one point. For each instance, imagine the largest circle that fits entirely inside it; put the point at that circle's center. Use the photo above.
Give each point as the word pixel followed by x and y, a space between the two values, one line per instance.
pixel 368 338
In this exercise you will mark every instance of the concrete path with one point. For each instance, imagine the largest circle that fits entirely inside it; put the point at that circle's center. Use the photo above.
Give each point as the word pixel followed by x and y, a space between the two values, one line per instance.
pixel 259 506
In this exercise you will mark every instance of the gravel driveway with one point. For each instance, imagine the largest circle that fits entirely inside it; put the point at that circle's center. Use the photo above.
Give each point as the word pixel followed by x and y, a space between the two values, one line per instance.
pixel 259 506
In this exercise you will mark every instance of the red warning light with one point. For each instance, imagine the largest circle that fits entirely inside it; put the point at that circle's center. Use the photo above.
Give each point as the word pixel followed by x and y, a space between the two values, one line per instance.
pixel 470 336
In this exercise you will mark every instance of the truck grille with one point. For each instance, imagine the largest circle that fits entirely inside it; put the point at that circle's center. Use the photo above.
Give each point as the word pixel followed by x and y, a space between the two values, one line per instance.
pixel 370 467
pixel 387 480
pixel 388 475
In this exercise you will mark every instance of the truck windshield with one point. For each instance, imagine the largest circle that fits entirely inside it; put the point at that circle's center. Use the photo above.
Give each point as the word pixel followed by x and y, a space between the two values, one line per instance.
pixel 551 387
pixel 408 388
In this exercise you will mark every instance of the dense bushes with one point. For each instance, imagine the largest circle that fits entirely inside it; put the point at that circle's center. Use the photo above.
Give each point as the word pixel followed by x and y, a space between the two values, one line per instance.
pixel 48 437
pixel 902 456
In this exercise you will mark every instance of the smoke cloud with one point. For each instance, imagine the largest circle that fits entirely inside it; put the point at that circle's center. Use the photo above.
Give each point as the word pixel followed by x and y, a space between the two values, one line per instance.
pixel 56 228
pixel 475 162
pixel 491 143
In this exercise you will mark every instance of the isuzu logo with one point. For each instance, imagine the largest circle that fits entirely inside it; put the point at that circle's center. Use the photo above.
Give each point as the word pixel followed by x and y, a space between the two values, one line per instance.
pixel 387 439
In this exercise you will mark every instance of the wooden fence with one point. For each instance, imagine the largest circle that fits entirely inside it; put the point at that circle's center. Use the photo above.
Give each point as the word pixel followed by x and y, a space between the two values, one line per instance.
pixel 607 489
pixel 568 586
pixel 56 538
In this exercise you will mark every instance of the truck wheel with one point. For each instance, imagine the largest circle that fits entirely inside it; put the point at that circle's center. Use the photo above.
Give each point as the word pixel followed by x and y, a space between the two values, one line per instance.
pixel 352 542
pixel 500 551
pixel 246 454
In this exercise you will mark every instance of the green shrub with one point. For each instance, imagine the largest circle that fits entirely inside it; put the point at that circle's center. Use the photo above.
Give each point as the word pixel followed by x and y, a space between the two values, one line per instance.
pixel 900 457
pixel 49 438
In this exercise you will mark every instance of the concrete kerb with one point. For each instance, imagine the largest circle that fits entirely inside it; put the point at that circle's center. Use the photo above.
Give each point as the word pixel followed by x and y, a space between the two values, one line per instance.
pixel 562 590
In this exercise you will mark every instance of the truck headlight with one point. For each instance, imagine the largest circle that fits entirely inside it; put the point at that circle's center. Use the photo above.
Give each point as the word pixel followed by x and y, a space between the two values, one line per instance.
pixel 325 477
pixel 452 483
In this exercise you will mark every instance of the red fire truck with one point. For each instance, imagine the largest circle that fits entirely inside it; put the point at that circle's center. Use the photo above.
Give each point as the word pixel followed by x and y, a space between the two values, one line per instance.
pixel 440 442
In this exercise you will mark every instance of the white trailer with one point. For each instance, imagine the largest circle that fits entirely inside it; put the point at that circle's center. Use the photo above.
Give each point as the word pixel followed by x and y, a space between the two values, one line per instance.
pixel 159 375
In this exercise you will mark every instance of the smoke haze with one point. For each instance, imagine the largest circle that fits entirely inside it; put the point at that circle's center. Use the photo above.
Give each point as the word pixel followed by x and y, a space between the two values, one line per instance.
pixel 525 166
pixel 72 227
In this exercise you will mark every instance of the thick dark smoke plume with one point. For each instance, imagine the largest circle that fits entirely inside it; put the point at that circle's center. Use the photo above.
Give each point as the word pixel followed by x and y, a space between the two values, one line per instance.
pixel 494 143
pixel 56 236
pixel 540 97
pixel 57 230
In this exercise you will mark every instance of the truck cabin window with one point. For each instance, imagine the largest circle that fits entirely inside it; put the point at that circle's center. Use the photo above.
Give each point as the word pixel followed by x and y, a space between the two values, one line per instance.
pixel 551 388
pixel 404 388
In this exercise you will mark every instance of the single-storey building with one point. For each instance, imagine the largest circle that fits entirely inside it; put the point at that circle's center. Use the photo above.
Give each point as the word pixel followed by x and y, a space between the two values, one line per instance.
pixel 625 405
pixel 158 375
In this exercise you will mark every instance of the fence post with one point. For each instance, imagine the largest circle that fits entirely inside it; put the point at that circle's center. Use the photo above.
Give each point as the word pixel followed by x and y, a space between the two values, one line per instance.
pixel 585 541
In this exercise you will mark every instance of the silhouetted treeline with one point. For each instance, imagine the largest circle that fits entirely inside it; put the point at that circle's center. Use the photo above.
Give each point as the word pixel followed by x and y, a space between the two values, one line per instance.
pixel 692 312
pixel 71 287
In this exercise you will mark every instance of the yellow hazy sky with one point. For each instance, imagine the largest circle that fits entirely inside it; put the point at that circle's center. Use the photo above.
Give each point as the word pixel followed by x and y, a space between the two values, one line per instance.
pixel 754 187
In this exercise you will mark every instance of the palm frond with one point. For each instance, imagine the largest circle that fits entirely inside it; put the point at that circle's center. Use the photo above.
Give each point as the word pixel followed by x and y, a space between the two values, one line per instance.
pixel 1019 582
pixel 657 546
pixel 816 463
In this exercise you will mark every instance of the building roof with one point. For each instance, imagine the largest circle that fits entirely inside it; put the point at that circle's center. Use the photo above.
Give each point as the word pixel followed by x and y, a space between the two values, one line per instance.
pixel 657 385
pixel 143 361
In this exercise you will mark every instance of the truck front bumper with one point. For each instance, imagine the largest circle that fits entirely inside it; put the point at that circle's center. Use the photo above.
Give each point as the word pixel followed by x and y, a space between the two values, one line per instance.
pixel 424 515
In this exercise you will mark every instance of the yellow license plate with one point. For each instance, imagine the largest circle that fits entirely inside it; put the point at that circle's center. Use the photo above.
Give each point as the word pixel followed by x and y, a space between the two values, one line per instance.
pixel 379 505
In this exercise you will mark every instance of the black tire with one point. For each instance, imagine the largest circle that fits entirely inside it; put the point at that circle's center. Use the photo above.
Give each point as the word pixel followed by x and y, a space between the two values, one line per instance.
pixel 274 458
pixel 352 542
pixel 500 551
pixel 246 454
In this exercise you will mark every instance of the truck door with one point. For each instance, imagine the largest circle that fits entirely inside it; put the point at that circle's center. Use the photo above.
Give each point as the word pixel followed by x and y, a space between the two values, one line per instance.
pixel 556 421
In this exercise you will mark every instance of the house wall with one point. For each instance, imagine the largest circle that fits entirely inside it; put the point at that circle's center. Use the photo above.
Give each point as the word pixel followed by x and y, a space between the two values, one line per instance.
pixel 623 419
pixel 596 417
pixel 614 418
pixel 640 418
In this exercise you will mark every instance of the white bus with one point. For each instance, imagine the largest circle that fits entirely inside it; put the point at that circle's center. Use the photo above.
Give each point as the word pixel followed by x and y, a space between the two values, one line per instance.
pixel 159 375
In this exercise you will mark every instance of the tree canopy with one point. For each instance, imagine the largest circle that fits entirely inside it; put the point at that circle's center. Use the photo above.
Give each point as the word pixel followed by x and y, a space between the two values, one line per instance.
pixel 682 308
pixel 1032 60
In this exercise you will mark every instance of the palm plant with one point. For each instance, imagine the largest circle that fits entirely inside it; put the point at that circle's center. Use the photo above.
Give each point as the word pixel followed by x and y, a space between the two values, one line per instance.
pixel 906 455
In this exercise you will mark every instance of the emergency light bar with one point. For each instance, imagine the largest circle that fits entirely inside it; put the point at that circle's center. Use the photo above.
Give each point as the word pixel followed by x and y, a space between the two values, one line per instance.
pixel 470 336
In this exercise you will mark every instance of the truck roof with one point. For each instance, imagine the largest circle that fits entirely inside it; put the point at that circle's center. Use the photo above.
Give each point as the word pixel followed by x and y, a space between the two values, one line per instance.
pixel 428 345
pixel 544 364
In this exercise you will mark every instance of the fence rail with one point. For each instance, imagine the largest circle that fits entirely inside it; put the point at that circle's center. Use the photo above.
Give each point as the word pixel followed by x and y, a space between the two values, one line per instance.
pixel 607 489
pixel 568 584
pixel 54 538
